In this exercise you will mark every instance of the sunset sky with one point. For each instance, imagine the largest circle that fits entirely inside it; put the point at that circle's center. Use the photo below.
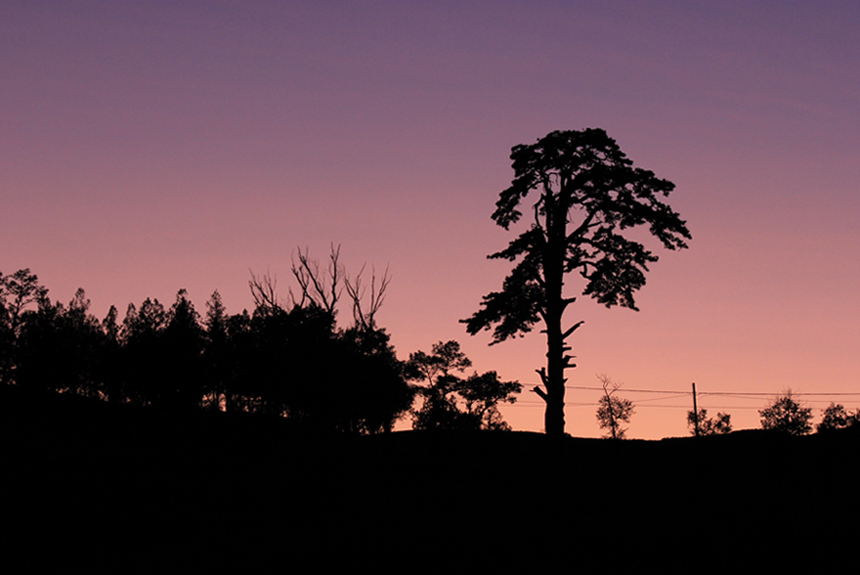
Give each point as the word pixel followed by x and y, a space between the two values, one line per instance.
pixel 148 146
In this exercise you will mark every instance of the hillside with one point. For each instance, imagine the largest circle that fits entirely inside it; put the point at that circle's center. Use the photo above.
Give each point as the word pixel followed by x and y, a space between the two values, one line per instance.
pixel 88 482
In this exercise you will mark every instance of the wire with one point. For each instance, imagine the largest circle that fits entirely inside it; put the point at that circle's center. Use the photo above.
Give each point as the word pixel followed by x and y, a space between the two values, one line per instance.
pixel 679 393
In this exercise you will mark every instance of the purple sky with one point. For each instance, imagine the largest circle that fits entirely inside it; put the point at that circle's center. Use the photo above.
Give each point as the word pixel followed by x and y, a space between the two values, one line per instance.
pixel 151 146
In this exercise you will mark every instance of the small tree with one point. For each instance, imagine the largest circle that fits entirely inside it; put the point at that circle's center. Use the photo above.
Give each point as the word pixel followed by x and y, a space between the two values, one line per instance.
pixel 787 415
pixel 453 402
pixel 835 417
pixel 719 425
pixel 612 411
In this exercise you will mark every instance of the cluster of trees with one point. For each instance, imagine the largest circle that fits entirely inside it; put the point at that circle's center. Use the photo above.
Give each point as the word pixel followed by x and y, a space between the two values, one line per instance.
pixel 788 415
pixel 784 413
pixel 288 358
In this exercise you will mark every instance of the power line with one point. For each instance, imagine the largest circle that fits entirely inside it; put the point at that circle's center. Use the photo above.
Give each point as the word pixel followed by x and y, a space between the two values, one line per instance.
pixel 662 398
pixel 738 394
pixel 675 394
pixel 756 393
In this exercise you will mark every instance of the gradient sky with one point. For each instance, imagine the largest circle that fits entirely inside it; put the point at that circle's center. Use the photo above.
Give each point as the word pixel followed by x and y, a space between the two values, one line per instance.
pixel 148 146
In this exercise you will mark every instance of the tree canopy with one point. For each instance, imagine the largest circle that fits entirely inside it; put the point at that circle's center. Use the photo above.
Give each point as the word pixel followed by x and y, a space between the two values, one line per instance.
pixel 287 359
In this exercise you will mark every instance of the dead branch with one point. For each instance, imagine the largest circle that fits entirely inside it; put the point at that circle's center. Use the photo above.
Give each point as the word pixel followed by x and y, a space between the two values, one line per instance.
pixel 264 292
pixel 318 287
pixel 366 318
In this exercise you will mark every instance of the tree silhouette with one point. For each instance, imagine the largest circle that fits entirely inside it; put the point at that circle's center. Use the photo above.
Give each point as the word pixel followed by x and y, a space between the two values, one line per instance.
pixel 216 354
pixel 587 194
pixel 482 395
pixel 719 425
pixel 60 348
pixel 612 411
pixel 453 402
pixel 324 376
pixel 283 361
pixel 142 352
pixel 787 415
pixel 17 292
pixel 110 366
pixel 182 351
pixel 438 409
pixel 836 417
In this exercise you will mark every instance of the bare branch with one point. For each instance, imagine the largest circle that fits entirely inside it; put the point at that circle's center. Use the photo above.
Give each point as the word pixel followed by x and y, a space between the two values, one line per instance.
pixel 355 292
pixel 367 318
pixel 264 292
pixel 377 296
pixel 334 270
pixel 320 288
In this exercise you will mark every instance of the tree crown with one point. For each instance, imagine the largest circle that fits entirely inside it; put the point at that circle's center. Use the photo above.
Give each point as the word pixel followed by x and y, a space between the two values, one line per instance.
pixel 587 192
pixel 787 415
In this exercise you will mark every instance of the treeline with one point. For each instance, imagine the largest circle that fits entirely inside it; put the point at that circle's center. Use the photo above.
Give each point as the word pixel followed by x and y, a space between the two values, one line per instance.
pixel 287 358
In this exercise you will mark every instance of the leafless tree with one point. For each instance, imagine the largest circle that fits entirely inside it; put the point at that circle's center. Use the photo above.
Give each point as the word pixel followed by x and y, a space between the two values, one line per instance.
pixel 612 411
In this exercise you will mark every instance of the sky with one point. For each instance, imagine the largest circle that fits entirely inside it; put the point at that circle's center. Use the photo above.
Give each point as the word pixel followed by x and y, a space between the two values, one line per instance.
pixel 152 146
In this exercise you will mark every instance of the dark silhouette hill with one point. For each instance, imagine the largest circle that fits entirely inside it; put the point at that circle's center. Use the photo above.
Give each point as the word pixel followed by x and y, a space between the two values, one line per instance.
pixel 127 489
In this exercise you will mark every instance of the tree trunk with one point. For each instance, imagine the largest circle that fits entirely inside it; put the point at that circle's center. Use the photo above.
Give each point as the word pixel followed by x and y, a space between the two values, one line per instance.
pixel 554 416
pixel 553 268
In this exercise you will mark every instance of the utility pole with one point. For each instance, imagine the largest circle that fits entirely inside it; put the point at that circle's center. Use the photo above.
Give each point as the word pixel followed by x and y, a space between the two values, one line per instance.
pixel 695 410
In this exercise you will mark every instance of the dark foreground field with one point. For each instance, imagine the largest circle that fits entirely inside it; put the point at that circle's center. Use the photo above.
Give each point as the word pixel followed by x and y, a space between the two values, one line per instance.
pixel 125 490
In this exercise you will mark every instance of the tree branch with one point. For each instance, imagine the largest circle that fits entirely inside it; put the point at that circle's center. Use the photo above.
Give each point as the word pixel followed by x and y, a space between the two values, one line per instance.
pixel 575 326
